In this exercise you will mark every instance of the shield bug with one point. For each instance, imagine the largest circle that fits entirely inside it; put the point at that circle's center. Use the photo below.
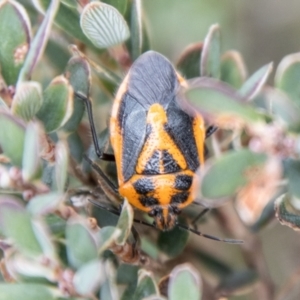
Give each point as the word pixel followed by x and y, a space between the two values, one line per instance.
pixel 158 147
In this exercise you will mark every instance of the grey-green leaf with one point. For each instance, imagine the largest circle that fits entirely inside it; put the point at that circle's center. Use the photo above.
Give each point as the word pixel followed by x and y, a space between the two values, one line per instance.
pixel 109 290
pixel 66 18
pixel 16 224
pixel 107 237
pixel 189 61
pixel 89 277
pixel 61 165
pixel 282 107
pixel 120 5
pixel 286 213
pixel 78 73
pixel 136 29
pixel 27 100
pixel 12 138
pixel 81 244
pixel 228 173
pixel 103 25
pixel 287 76
pixel 31 163
pixel 233 69
pixel 125 222
pixel 25 291
pixel 254 84
pixel 57 107
pixel 15 32
pixel 45 203
pixel 216 98
pixel 173 242
pixel 146 285
pixel 185 283
pixel 292 170
pixel 210 57
pixel 39 43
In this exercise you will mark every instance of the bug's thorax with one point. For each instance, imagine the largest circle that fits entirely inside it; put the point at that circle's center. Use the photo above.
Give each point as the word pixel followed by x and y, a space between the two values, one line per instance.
pixel 159 154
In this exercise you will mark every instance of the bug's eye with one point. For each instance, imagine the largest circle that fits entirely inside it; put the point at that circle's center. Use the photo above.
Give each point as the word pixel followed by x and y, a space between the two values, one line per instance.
pixel 176 210
pixel 152 213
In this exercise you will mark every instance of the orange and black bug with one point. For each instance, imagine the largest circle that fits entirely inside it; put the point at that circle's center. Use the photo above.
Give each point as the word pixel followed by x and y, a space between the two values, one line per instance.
pixel 158 147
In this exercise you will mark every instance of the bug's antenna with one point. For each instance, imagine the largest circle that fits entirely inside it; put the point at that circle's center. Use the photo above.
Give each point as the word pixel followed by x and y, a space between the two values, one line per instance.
pixel 211 237
pixel 100 154
pixel 116 212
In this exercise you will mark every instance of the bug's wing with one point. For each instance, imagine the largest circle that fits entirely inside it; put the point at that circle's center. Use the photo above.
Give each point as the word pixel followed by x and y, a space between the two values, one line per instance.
pixel 133 117
pixel 182 128
pixel 152 79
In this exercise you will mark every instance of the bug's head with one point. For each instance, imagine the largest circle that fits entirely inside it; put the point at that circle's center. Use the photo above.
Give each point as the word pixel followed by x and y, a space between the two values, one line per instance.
pixel 165 218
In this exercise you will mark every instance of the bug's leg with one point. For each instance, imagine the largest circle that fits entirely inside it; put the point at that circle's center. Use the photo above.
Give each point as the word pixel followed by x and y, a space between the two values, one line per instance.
pixel 210 130
pixel 198 217
pixel 88 104
pixel 110 190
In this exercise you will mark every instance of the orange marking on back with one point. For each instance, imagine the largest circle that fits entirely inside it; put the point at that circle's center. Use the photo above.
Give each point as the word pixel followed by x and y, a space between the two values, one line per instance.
pixel 116 137
pixel 158 140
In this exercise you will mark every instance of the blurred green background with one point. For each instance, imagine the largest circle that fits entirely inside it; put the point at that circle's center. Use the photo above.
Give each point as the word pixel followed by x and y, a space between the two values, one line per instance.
pixel 262 30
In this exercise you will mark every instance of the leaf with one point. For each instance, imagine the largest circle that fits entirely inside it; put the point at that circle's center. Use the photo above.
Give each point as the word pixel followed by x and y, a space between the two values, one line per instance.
pixel 136 29
pixel 286 213
pixel 185 283
pixel 31 163
pixel 78 73
pixel 12 138
pixel 23 268
pixel 57 107
pixel 215 98
pixel 66 18
pixel 228 173
pixel 173 242
pixel 210 57
pixel 146 285
pixel 287 76
pixel 75 146
pixel 125 222
pixel 16 224
pixel 254 84
pixel 233 69
pixel 27 100
pixel 189 61
pixel 89 277
pixel 25 291
pixel 81 245
pixel 44 204
pixel 39 43
pixel 109 290
pixel 103 25
pixel 120 5
pixel 282 107
pixel 292 170
pixel 107 237
pixel 15 32
pixel 61 165
pixel 45 241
